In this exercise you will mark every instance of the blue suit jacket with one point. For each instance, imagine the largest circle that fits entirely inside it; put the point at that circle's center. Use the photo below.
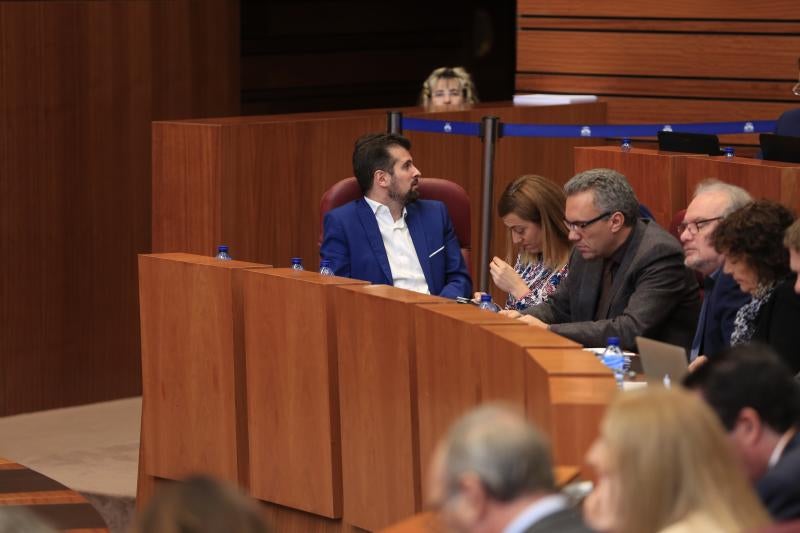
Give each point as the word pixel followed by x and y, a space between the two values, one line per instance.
pixel 779 488
pixel 353 244
pixel 722 301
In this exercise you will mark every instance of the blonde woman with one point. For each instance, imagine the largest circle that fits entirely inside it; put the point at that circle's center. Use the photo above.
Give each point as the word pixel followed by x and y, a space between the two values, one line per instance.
pixel 448 87
pixel 532 209
pixel 664 465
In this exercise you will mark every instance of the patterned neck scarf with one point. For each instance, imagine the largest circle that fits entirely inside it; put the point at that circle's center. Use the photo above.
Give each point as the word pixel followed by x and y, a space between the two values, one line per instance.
pixel 744 325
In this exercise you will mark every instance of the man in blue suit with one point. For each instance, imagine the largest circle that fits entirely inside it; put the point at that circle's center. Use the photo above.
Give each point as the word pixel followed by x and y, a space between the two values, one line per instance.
pixel 388 236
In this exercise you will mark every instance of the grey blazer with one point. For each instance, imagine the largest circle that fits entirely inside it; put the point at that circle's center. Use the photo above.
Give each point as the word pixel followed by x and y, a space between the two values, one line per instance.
pixel 653 295
pixel 565 521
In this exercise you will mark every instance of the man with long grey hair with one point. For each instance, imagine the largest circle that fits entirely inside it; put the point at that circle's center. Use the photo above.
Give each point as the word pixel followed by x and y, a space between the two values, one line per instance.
pixel 626 275
pixel 492 473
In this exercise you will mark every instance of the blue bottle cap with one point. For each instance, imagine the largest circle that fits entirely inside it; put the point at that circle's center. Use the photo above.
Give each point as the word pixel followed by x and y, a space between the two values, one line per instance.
pixel 486 297
pixel 613 341
pixel 222 248
pixel 296 260
pixel 325 263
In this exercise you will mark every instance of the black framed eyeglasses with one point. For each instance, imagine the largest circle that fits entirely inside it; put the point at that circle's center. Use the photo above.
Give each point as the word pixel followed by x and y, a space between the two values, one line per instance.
pixel 695 226
pixel 580 225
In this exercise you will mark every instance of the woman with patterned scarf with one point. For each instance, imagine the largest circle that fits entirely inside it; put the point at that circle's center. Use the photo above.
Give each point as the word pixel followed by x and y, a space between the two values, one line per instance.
pixel 751 239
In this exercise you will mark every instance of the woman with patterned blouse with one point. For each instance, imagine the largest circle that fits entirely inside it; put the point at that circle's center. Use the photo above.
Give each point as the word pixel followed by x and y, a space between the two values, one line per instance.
pixel 532 208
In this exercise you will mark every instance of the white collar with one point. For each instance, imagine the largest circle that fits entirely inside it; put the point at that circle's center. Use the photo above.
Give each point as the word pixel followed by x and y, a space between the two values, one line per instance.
pixel 535 512
pixel 375 206
pixel 778 450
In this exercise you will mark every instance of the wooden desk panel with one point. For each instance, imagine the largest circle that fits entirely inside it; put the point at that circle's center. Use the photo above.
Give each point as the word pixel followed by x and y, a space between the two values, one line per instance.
pixel 380 457
pixel 773 180
pixel 502 360
pixel 568 391
pixel 192 367
pixel 292 398
pixel 450 348
pixel 657 178
pixel 65 509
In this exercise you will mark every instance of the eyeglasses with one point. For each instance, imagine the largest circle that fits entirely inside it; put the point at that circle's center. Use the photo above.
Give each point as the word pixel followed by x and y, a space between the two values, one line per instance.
pixel 579 225
pixel 695 226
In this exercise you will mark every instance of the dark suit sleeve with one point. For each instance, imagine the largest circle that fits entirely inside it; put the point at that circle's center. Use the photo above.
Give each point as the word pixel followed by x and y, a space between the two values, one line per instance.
pixel 779 489
pixel 457 279
pixel 779 324
pixel 334 245
pixel 660 287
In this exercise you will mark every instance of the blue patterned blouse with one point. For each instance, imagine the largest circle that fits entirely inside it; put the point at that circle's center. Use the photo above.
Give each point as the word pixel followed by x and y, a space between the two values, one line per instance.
pixel 541 281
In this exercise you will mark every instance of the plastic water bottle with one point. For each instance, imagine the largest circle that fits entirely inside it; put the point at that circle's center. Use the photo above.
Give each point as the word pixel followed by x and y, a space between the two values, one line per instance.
pixel 729 152
pixel 297 263
pixel 325 268
pixel 615 360
pixel 222 253
pixel 487 304
pixel 626 145
pixel 667 382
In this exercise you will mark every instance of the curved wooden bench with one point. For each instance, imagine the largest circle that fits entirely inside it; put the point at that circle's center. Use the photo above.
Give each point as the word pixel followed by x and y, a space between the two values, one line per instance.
pixel 62 507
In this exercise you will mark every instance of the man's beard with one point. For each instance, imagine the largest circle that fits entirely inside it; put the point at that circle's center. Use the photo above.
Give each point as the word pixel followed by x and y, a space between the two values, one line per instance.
pixel 403 199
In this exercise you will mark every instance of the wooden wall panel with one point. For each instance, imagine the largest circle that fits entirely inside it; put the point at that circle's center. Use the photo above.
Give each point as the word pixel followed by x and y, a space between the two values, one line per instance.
pixel 79 84
pixel 684 61
pixel 627 53
pixel 714 9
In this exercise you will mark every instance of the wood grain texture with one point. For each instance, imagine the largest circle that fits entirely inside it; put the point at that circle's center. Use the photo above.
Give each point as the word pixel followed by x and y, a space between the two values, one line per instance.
pixel 635 54
pixel 293 389
pixel 762 179
pixel 192 367
pixel 657 178
pixel 80 83
pixel 502 360
pixel 611 85
pixel 568 392
pixel 671 25
pixel 449 352
pixel 378 393
pixel 682 62
pixel 710 9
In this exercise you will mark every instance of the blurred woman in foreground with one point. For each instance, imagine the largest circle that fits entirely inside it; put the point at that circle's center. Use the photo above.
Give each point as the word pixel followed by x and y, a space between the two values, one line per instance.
pixel 665 465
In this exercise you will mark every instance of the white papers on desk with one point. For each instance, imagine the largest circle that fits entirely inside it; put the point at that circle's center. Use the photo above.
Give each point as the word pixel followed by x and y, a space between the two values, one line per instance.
pixel 553 99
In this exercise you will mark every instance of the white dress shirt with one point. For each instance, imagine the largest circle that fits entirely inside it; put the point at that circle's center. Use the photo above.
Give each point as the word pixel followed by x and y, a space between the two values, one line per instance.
pixel 536 511
pixel 403 261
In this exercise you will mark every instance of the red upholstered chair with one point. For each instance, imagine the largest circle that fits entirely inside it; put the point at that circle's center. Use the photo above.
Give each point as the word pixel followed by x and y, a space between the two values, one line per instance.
pixel 451 194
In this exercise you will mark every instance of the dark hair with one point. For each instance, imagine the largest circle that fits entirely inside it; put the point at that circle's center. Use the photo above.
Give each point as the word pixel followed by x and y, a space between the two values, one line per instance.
pixel 371 153
pixel 754 234
pixel 200 505
pixel 749 375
